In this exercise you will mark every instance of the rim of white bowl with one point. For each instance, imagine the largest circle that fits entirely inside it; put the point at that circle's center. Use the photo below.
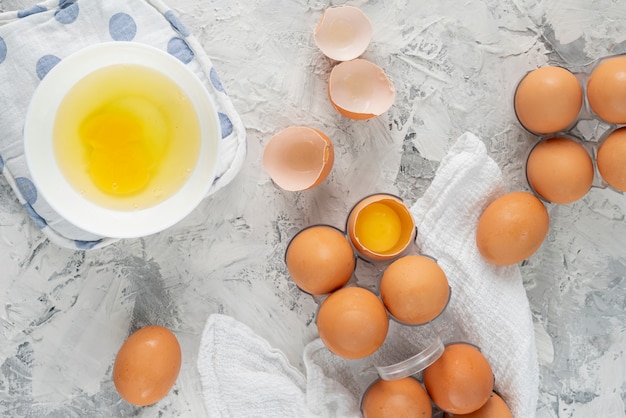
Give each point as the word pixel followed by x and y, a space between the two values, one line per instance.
pixel 52 184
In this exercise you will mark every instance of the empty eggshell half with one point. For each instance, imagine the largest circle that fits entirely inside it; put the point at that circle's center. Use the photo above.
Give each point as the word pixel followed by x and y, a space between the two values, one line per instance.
pixel 359 89
pixel 298 158
pixel 343 33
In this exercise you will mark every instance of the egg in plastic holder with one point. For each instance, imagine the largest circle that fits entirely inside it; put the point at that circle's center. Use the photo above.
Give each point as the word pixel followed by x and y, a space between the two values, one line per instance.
pixel 381 228
pixel 602 90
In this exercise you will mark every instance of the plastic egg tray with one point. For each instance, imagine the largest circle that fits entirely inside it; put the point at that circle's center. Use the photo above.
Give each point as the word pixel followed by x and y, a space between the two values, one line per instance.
pixel 432 335
pixel 588 128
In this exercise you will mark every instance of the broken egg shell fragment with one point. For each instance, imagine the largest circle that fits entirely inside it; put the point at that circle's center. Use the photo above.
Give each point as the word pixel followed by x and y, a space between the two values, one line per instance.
pixel 298 158
pixel 360 90
pixel 343 33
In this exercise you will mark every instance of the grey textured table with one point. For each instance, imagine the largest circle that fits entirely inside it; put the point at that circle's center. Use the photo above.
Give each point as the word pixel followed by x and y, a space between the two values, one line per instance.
pixel 455 66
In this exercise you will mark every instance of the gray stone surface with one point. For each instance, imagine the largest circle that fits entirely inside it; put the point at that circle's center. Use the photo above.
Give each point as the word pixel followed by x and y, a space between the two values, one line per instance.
pixel 455 66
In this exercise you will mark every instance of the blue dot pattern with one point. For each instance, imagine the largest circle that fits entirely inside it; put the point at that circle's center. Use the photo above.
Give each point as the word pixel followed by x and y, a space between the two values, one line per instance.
pixel 39 221
pixel 28 189
pixel 3 49
pixel 225 124
pixel 179 48
pixel 86 245
pixel 31 11
pixel 45 64
pixel 176 23
pixel 67 14
pixel 122 27
pixel 215 80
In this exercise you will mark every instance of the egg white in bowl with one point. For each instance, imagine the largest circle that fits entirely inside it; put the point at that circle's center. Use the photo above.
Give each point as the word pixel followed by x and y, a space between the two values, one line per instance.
pixel 122 139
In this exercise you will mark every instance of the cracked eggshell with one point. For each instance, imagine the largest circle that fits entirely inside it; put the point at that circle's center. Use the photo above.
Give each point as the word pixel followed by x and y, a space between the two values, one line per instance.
pixel 343 33
pixel 298 158
pixel 359 89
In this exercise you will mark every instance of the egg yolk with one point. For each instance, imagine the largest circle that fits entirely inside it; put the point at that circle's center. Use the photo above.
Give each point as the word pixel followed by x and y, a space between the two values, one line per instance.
pixel 125 144
pixel 378 227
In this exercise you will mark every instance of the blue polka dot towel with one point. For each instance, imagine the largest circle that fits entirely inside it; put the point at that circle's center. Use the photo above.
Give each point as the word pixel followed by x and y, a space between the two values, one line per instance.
pixel 34 40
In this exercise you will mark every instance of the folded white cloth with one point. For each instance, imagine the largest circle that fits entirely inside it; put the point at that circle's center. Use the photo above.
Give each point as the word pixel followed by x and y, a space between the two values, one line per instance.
pixel 242 376
pixel 33 40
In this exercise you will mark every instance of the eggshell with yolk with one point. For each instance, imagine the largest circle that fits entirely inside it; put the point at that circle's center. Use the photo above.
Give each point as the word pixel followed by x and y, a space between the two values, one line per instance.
pixel 396 398
pixel 414 289
pixel 320 259
pixel 461 380
pixel 352 322
pixel 560 170
pixel 611 159
pixel 512 228
pixel 548 100
pixel 606 90
pixel 147 365
pixel 407 227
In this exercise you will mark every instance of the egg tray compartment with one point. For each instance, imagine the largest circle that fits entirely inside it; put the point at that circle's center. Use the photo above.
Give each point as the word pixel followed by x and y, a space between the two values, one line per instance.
pixel 588 129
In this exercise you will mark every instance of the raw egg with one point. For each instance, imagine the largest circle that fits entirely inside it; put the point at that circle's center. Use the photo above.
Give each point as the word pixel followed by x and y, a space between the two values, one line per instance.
pixel 359 89
pixel 548 100
pixel 352 322
pixel 298 158
pixel 396 398
pixel 147 365
pixel 320 259
pixel 512 228
pixel 461 380
pixel 560 170
pixel 611 159
pixel 343 33
pixel 414 289
pixel 494 408
pixel 380 227
pixel 606 90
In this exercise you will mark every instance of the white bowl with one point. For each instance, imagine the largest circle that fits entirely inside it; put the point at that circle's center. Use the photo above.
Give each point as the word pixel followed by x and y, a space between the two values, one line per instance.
pixel 51 182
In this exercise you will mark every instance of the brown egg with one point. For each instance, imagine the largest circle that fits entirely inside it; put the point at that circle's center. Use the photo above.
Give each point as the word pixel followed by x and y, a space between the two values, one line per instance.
pixel 461 380
pixel 414 289
pixel 494 408
pixel 548 100
pixel 320 259
pixel 606 90
pixel 343 33
pixel 611 159
pixel 404 398
pixel 560 170
pixel 380 227
pixel 147 365
pixel 512 228
pixel 298 158
pixel 352 322
pixel 359 89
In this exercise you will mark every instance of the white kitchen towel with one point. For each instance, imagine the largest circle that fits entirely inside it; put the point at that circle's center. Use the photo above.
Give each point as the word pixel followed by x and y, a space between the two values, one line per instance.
pixel 489 307
pixel 34 40
pixel 489 304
